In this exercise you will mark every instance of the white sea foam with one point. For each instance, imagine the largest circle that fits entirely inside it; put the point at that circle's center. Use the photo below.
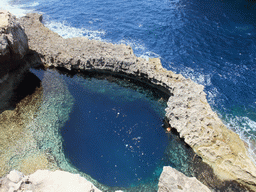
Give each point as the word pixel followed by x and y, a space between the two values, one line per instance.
pixel 212 95
pixel 33 4
pixel 65 30
pixel 17 10
pixel 139 48
pixel 246 129
pixel 196 76
pixel 243 126
pixel 149 54
pixel 200 78
pixel 62 28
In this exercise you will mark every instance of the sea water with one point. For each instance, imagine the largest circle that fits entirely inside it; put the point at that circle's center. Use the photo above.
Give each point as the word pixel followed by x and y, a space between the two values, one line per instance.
pixel 113 133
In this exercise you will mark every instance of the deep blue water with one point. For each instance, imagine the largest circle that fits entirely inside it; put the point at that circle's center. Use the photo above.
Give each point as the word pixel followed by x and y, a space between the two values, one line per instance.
pixel 116 139
pixel 210 41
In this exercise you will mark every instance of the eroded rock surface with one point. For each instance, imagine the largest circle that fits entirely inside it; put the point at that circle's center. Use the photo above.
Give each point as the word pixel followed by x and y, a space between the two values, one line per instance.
pixel 188 110
pixel 13 48
pixel 13 43
pixel 46 181
pixel 172 180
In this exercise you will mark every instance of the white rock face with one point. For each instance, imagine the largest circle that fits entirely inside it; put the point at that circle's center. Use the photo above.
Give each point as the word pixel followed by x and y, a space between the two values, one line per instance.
pixel 13 38
pixel 46 181
pixel 13 43
pixel 172 180
pixel 15 176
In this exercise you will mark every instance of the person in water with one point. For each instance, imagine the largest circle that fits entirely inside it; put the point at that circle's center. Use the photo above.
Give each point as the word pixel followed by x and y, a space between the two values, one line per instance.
pixel 168 130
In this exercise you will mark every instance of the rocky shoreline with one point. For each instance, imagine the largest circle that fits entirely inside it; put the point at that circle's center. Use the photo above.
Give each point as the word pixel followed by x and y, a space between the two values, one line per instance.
pixel 188 110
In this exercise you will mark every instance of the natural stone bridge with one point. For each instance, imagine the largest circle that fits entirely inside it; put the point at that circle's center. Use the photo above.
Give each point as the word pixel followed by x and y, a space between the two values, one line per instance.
pixel 188 110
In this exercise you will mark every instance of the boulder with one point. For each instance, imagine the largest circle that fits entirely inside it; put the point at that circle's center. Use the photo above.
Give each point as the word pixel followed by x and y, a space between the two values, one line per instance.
pixel 13 43
pixel 47 181
pixel 172 180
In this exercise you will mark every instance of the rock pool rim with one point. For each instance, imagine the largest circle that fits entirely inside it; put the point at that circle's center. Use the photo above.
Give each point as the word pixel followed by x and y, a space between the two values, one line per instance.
pixel 102 74
pixel 188 110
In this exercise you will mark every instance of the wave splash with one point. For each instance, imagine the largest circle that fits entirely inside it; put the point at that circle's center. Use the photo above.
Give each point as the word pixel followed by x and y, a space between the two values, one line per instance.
pixel 67 31
pixel 246 129
pixel 19 10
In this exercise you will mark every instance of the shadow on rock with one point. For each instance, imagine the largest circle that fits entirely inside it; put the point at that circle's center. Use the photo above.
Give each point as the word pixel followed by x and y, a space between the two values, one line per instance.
pixel 26 87
pixel 15 87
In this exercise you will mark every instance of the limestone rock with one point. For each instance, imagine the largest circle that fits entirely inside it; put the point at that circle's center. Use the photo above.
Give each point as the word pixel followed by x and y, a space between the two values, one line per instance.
pixel 15 176
pixel 46 181
pixel 172 180
pixel 13 42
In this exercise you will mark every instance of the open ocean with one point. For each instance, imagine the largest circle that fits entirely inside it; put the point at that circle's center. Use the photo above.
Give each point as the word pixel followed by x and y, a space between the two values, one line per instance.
pixel 212 42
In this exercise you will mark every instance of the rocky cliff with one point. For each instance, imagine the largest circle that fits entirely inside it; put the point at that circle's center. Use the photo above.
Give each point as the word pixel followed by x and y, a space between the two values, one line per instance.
pixel 13 43
pixel 13 67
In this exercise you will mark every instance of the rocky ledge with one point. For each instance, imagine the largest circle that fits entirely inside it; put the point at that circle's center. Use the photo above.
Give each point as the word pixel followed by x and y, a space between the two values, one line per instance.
pixel 46 181
pixel 51 181
pixel 188 110
pixel 172 180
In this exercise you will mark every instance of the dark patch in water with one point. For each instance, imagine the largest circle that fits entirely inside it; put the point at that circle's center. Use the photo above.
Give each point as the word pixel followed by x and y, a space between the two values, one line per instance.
pixel 18 85
pixel 27 87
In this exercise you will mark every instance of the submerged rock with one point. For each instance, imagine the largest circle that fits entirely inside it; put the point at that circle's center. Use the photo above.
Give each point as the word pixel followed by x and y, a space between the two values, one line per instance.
pixel 18 146
pixel 172 180
pixel 13 43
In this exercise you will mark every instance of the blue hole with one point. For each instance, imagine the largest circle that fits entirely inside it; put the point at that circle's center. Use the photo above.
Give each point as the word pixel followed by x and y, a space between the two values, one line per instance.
pixel 114 133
